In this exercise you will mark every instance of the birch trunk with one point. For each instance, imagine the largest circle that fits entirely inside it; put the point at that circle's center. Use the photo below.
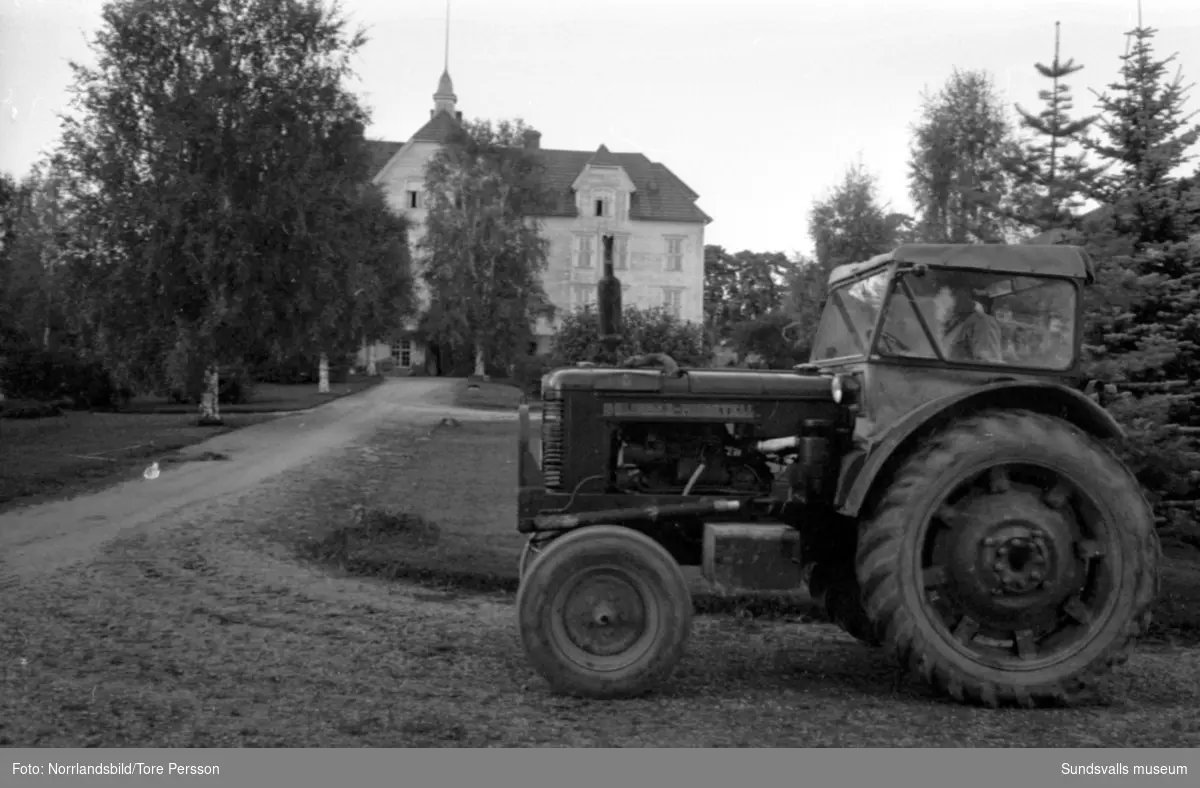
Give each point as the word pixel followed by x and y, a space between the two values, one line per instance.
pixel 479 359
pixel 323 375
pixel 371 359
pixel 210 402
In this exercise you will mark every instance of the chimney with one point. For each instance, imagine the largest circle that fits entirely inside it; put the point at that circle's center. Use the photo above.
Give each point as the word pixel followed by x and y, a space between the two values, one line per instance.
pixel 458 115
pixel 533 139
pixel 432 112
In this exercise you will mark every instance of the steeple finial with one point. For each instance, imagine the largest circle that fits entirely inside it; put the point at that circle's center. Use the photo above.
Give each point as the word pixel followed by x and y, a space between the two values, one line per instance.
pixel 444 100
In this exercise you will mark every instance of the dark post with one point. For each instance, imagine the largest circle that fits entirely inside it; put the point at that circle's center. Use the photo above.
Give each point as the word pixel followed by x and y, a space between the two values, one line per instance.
pixel 609 298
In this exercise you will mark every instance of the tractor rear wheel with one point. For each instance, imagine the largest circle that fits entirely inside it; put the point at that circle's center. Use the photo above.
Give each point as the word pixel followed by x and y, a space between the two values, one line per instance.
pixel 1011 561
pixel 604 612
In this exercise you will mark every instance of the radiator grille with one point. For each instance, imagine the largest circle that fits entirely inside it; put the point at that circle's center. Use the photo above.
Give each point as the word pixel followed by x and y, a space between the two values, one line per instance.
pixel 552 439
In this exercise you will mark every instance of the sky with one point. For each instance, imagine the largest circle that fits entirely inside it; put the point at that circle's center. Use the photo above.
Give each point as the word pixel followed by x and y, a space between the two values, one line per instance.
pixel 758 106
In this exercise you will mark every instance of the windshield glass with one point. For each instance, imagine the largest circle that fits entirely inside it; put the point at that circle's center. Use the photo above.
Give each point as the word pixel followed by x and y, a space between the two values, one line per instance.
pixel 849 318
pixel 978 317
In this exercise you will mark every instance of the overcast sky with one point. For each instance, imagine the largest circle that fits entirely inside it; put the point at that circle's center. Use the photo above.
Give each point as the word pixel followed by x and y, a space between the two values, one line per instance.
pixel 758 106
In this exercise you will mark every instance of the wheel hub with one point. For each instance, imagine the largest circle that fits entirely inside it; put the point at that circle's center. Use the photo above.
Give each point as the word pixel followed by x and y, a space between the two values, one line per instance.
pixel 605 615
pixel 1018 558
pixel 1012 555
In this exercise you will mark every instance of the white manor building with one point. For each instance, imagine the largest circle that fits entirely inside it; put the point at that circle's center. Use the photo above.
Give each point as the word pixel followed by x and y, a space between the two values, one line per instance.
pixel 658 228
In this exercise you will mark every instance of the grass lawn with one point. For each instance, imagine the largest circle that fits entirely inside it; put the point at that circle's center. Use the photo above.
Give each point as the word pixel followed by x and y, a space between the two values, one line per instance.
pixel 78 452
pixel 266 397
pixel 489 395
pixel 462 483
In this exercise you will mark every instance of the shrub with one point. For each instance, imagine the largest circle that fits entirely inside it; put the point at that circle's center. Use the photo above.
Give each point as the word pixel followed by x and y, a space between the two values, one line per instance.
pixel 45 375
pixel 528 371
pixel 643 331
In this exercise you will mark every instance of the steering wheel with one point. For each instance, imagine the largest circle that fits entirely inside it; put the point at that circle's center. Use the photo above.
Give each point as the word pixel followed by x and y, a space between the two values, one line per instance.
pixel 669 366
pixel 889 343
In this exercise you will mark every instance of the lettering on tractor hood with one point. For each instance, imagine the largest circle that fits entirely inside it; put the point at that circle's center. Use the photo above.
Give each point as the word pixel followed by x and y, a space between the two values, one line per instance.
pixel 692 411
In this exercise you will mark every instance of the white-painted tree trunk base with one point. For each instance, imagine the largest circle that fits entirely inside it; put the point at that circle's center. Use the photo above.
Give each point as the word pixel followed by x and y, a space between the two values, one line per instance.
pixel 323 375
pixel 480 369
pixel 371 359
pixel 210 401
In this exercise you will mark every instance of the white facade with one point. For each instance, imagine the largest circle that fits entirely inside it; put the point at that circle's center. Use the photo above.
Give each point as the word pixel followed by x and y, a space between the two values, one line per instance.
pixel 658 230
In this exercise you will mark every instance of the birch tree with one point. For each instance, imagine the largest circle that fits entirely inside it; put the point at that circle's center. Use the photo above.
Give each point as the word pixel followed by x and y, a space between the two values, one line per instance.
pixel 484 253
pixel 203 151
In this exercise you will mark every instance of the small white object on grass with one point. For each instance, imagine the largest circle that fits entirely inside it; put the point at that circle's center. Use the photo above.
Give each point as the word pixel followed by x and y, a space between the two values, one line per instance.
pixel 152 471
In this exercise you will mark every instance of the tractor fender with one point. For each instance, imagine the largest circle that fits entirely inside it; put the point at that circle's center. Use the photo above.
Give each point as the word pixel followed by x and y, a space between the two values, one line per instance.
pixel 860 472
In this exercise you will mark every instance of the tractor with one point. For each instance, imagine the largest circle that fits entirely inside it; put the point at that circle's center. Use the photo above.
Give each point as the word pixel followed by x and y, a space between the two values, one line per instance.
pixel 938 476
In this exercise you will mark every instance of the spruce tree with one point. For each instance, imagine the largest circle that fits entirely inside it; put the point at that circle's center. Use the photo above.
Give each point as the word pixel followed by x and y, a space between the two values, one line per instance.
pixel 1050 171
pixel 1142 324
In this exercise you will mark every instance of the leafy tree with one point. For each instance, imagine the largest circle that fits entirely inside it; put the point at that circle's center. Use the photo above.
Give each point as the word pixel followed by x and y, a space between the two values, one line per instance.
pixel 653 330
pixel 40 233
pixel 212 155
pixel 849 225
pixel 483 250
pixel 1051 173
pixel 741 287
pixel 957 175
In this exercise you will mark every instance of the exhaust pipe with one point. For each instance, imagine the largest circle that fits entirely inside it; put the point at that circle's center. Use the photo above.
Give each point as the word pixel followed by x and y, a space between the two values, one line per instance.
pixel 608 297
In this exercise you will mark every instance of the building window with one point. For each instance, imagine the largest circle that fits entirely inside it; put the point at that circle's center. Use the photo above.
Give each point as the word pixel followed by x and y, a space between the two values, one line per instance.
pixel 621 253
pixel 583 295
pixel 674 254
pixel 583 251
pixel 673 300
pixel 402 353
pixel 413 198
pixel 602 204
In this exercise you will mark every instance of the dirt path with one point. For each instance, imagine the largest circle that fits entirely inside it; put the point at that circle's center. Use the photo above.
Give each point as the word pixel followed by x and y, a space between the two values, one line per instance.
pixel 40 539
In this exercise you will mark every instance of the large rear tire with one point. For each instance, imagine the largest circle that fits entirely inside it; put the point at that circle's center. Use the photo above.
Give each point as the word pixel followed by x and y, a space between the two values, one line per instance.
pixel 604 612
pixel 1011 562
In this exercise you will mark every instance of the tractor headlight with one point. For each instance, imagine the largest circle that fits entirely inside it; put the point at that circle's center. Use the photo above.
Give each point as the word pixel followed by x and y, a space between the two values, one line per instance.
pixel 844 387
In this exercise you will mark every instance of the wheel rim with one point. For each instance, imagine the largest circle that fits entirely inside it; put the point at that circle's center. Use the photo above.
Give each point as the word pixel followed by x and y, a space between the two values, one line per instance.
pixel 605 619
pixel 1015 566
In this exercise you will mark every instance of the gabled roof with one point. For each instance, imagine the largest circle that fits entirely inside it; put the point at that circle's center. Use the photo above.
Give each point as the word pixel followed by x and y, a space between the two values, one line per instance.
pixel 603 158
pixel 660 195
pixel 438 129
pixel 382 152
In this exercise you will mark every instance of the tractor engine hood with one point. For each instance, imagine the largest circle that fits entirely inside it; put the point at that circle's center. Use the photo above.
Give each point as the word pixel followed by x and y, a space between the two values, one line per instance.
pixel 768 384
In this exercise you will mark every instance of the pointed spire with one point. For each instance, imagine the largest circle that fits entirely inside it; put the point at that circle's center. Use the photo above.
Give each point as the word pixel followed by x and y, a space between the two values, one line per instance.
pixel 444 99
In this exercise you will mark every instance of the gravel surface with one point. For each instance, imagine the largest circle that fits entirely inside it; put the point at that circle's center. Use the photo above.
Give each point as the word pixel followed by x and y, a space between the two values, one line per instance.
pixel 196 625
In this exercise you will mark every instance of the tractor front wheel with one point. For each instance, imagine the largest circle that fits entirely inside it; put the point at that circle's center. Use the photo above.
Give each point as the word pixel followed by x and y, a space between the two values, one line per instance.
pixel 1011 561
pixel 604 612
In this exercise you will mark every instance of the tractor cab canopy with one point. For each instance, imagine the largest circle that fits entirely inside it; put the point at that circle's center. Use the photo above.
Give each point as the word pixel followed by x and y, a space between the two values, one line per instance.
pixel 994 305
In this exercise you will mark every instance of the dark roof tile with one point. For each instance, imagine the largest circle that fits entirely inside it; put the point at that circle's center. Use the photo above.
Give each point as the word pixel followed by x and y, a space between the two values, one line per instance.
pixel 438 129
pixel 660 195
